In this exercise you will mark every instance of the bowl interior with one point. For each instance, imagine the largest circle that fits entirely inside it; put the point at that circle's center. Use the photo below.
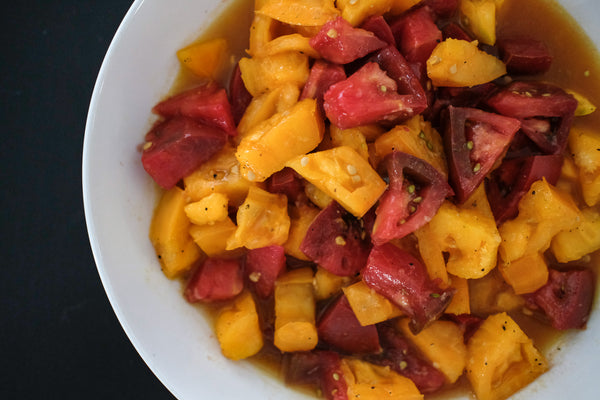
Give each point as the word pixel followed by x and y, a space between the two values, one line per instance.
pixel 173 338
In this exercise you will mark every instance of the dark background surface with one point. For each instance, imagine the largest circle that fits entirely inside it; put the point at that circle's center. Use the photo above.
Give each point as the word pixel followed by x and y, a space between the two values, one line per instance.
pixel 59 337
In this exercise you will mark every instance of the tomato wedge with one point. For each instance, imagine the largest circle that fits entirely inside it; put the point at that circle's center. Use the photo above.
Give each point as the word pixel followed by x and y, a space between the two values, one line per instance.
pixel 546 112
pixel 416 34
pixel 403 279
pixel 341 43
pixel 415 193
pixel 206 103
pixel 474 141
pixel 216 279
pixel 567 298
pixel 337 241
pixel 176 147
pixel 339 327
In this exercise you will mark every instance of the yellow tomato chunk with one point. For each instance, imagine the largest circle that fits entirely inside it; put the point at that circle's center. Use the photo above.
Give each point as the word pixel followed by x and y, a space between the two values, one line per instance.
pixel 327 284
pixel 299 12
pixel 262 220
pixel 169 234
pixel 261 74
pixel 443 344
pixel 479 16
pixel 544 211
pixel 526 274
pixel 585 146
pixel 295 328
pixel 584 239
pixel 270 144
pixel 459 63
pixel 212 239
pixel 238 329
pixel 220 174
pixel 205 59
pixel 210 209
pixel 368 381
pixel 369 307
pixel 501 359
pixel 343 175
pixel 300 219
pixel 357 12
pixel 467 236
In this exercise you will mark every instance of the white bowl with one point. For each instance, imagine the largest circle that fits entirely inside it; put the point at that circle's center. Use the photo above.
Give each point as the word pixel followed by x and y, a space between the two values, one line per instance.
pixel 172 337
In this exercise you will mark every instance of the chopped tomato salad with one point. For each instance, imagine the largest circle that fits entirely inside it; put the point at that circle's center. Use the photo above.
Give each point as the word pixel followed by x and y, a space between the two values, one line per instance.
pixel 379 196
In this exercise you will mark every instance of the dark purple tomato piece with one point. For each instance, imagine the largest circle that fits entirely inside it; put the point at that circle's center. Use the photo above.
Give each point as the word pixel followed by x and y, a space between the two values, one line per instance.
pixel 345 101
pixel 402 357
pixel 395 65
pixel 416 34
pixel 511 180
pixel 533 102
pixel 403 279
pixel 239 97
pixel 288 182
pixel 474 141
pixel 567 298
pixel 320 368
pixel 379 26
pixel 216 279
pixel 207 103
pixel 337 241
pixel 460 97
pixel 524 56
pixel 442 9
pixel 339 328
pixel 455 31
pixel 263 266
pixel 415 193
pixel 341 43
pixel 176 147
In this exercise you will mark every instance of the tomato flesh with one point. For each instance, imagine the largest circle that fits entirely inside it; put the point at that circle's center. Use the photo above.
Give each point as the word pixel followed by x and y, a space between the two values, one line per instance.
pixel 403 279
pixel 525 56
pixel 474 141
pixel 216 279
pixel 416 35
pixel 263 266
pixel 176 147
pixel 206 103
pixel 415 193
pixel 567 298
pixel 337 241
pixel 339 327
pixel 341 43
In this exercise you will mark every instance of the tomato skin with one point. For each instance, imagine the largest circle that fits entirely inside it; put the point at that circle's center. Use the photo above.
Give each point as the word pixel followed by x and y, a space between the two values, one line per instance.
pixel 322 75
pixel 525 55
pixel 239 97
pixel 413 184
pixel 474 141
pixel 339 327
pixel 454 31
pixel 339 42
pixel 288 182
pixel 512 179
pixel 263 266
pixel 207 104
pixel 403 279
pixel 177 147
pixel 215 279
pixel 336 241
pixel 566 299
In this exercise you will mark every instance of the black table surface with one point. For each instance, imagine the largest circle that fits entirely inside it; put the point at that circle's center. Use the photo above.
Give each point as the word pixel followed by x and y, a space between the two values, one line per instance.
pixel 59 337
